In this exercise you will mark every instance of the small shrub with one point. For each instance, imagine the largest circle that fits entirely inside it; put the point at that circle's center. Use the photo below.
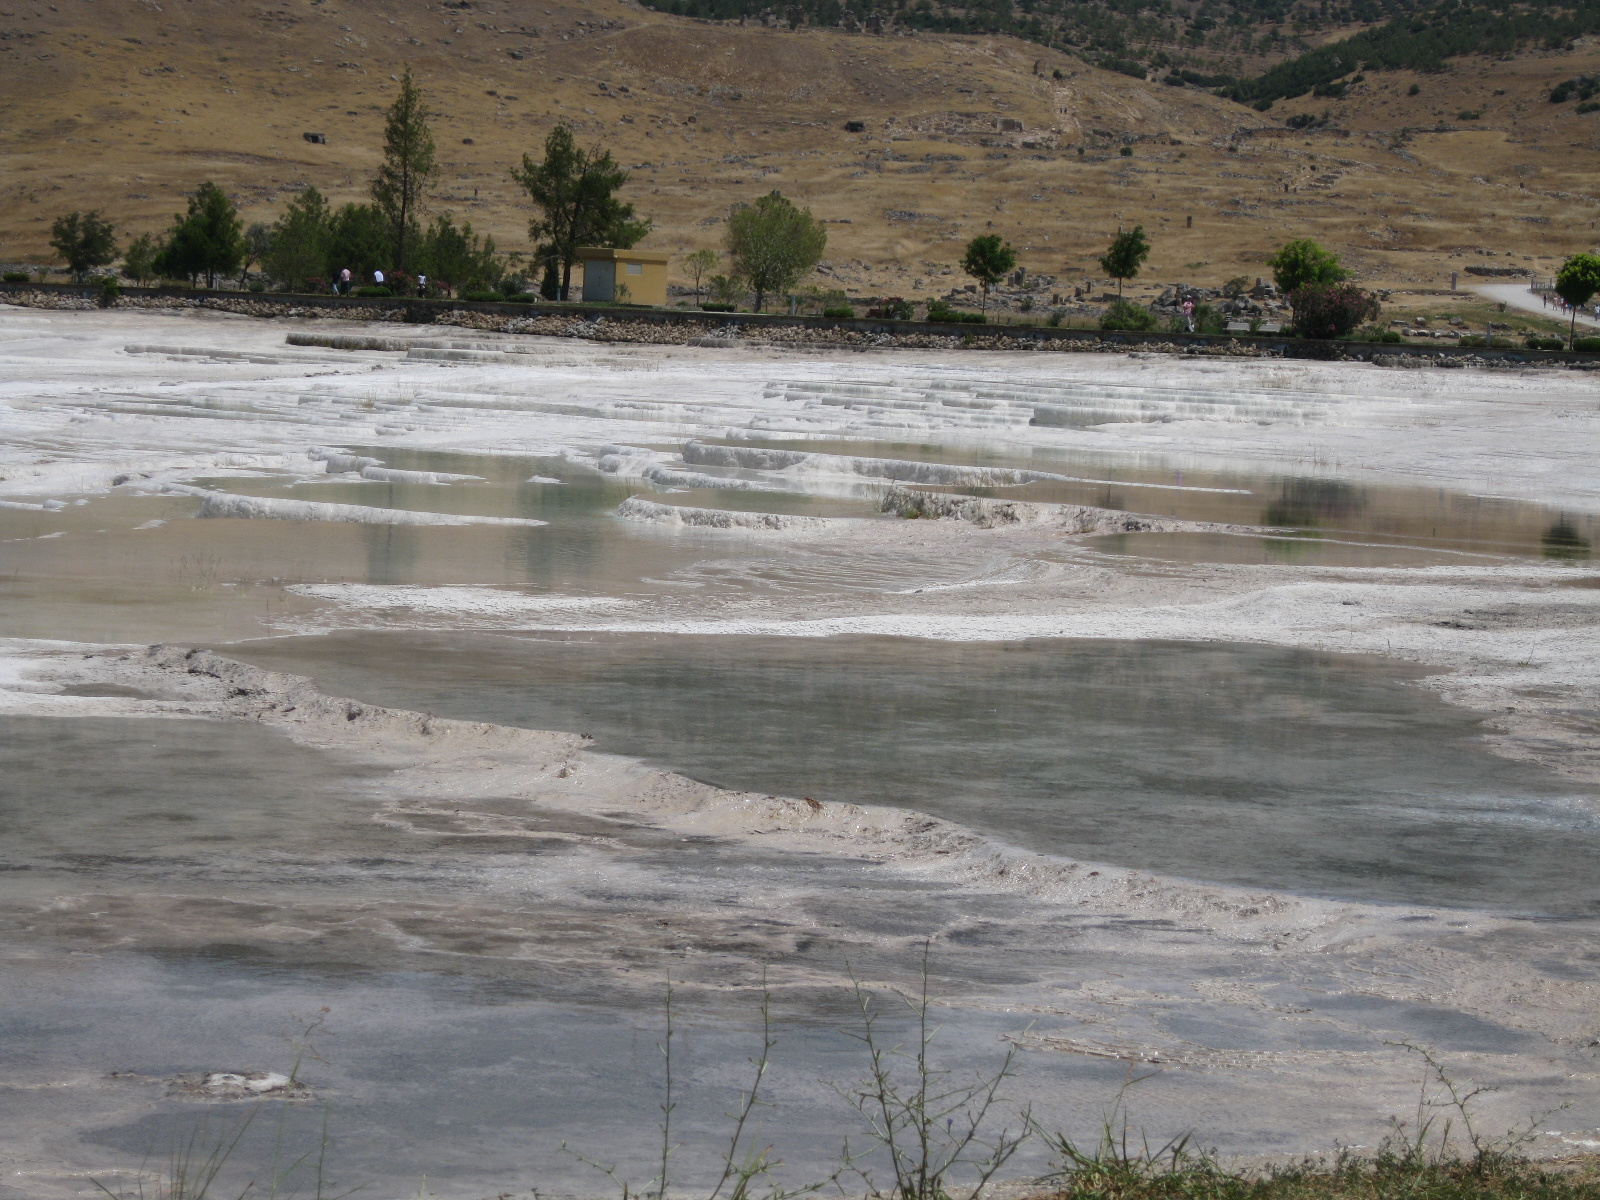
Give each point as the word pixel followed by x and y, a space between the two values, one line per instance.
pixel 110 289
pixel 16 277
pixel 257 286
pixel 524 298
pixel 1055 319
pixel 1331 310
pixel 1414 90
pixel 1173 80
pixel 1334 91
pixel 1588 106
pixel 1499 343
pixel 1589 345
pixel 373 291
pixel 1536 341
pixel 1126 315
pixel 483 297
pixel 940 310
pixel 712 306
pixel 893 308
pixel 1126 152
pixel 839 312
pixel 1390 336
pixel 1470 115
pixel 973 318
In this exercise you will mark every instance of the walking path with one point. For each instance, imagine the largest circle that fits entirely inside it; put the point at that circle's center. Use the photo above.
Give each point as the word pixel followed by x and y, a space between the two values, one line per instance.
pixel 1518 295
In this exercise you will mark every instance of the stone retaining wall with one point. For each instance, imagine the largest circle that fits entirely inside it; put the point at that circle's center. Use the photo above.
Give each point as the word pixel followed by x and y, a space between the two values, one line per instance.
pixel 686 327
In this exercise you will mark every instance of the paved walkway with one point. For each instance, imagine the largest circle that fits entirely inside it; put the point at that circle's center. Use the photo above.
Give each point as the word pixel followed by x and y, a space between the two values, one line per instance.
pixel 1518 295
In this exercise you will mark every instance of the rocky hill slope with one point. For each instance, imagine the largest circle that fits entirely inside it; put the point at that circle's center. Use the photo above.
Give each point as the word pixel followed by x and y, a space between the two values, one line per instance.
pixel 125 105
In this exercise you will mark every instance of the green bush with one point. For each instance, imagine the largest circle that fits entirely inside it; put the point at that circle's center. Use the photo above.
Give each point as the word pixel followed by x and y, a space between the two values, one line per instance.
pixel 483 297
pixel 839 312
pixel 1331 310
pixel 374 291
pixel 524 298
pixel 709 306
pixel 1536 341
pixel 1588 106
pixel 258 286
pixel 1589 345
pixel 1499 343
pixel 16 277
pixel 893 308
pixel 940 310
pixel 1391 336
pixel 1126 152
pixel 1127 315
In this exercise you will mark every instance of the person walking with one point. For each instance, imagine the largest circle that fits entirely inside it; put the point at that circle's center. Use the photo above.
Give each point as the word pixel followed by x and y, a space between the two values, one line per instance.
pixel 1188 312
pixel 422 285
pixel 377 278
pixel 344 282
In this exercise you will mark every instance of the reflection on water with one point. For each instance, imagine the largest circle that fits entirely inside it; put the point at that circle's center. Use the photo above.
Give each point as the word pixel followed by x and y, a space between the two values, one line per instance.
pixel 1432 518
pixel 1253 550
pixel 1307 503
pixel 1277 768
pixel 1562 540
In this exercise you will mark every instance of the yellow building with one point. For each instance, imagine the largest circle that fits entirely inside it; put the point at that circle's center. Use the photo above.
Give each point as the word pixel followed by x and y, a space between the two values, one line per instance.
pixel 624 276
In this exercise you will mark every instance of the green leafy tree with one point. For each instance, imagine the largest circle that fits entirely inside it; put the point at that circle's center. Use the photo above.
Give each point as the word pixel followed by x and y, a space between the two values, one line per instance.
pixel 358 238
pixel 257 242
pixel 299 250
pixel 208 240
pixel 1303 263
pixel 698 264
pixel 576 192
pixel 457 259
pixel 1125 256
pixel 988 259
pixel 773 244
pixel 1331 310
pixel 1576 282
pixel 725 289
pixel 139 260
pixel 409 169
pixel 85 240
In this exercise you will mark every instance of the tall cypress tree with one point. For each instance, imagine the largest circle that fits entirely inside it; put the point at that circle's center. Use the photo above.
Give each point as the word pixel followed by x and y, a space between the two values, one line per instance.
pixel 409 168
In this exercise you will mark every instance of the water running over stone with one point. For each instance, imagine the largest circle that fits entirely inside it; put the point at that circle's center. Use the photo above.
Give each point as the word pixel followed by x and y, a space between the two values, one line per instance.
pixel 1291 770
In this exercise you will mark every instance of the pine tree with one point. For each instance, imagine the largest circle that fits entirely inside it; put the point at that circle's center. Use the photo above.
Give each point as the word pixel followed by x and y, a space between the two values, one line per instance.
pixel 208 240
pixel 576 192
pixel 299 248
pixel 409 168
pixel 988 259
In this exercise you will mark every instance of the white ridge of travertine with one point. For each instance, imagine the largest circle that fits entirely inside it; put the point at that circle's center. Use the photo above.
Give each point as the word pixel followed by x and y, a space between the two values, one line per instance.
pixel 473 601
pixel 636 508
pixel 392 475
pixel 274 508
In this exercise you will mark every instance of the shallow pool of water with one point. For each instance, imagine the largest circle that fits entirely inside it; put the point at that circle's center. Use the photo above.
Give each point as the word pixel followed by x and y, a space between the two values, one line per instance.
pixel 1286 769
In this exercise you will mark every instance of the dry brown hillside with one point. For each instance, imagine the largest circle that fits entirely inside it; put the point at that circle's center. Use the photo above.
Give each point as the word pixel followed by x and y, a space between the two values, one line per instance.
pixel 124 105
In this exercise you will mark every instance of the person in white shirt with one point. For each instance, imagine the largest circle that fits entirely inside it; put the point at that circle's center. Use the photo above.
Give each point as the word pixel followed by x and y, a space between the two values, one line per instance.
pixel 422 285
pixel 377 278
